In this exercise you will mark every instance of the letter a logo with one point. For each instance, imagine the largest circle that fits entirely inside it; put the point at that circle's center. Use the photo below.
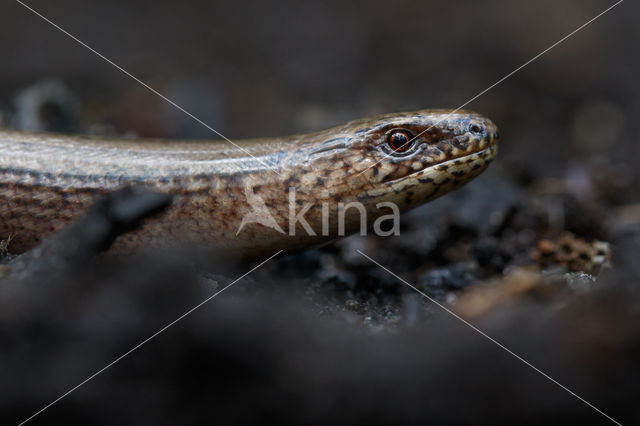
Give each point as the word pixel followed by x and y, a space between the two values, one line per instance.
pixel 260 213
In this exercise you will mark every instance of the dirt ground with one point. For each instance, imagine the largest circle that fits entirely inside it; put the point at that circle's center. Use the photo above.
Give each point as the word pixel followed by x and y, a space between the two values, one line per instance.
pixel 525 304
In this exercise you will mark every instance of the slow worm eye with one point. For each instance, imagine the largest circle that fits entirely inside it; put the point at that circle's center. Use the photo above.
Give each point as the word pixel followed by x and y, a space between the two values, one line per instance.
pixel 400 140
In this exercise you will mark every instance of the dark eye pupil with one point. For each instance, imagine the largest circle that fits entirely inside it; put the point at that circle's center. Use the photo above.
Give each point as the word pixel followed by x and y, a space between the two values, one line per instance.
pixel 399 142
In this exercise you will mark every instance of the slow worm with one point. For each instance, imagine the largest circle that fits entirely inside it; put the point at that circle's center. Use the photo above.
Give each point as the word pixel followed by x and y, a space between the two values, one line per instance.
pixel 282 187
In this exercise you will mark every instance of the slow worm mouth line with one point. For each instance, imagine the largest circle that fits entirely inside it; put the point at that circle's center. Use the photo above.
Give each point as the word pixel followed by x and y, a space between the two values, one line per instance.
pixel 492 150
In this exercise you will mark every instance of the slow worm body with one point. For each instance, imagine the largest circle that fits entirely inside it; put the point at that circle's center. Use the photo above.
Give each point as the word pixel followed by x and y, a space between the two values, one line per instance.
pixel 291 192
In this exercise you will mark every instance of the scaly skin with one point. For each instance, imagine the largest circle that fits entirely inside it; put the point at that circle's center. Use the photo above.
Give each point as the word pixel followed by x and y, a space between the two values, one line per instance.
pixel 48 180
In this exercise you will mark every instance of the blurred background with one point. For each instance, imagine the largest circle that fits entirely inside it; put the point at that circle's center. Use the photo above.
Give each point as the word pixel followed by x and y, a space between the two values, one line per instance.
pixel 569 162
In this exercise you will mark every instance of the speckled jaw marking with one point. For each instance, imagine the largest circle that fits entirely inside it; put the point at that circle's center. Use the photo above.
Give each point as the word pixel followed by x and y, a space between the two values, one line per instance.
pixel 48 180
pixel 433 182
pixel 436 181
